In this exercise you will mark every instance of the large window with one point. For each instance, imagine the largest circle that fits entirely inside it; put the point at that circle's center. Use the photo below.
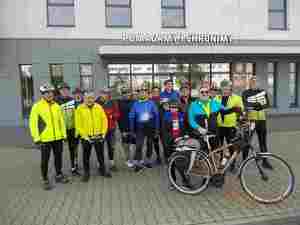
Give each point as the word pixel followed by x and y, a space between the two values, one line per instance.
pixel 134 76
pixel 173 13
pixel 277 14
pixel 118 13
pixel 61 13
pixel 56 74
pixel 27 93
pixel 86 77
pixel 271 82
pixel 293 80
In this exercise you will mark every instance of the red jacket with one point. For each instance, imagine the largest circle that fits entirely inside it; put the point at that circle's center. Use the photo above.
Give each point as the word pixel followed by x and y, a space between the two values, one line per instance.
pixel 112 112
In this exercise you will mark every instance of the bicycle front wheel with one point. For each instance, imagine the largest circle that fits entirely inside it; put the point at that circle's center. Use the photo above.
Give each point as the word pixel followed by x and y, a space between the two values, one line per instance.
pixel 267 178
pixel 192 182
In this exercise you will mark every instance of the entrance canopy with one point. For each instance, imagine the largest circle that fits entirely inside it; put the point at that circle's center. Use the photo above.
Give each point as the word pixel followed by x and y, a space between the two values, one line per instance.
pixel 112 50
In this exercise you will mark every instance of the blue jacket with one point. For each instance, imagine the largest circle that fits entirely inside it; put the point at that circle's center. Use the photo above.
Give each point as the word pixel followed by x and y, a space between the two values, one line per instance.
pixel 167 118
pixel 166 96
pixel 143 113
pixel 124 107
pixel 197 112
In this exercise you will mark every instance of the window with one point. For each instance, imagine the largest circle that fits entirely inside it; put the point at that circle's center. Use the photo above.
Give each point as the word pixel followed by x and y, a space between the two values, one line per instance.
pixel 56 74
pixel 27 93
pixel 293 79
pixel 277 15
pixel 61 13
pixel 173 13
pixel 272 75
pixel 118 13
pixel 241 74
pixel 86 77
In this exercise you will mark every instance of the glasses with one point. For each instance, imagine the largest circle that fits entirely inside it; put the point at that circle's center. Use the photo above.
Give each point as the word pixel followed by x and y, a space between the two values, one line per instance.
pixel 204 92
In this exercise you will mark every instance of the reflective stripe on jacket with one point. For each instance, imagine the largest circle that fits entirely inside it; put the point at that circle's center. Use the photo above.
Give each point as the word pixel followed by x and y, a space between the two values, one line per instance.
pixel 46 122
pixel 230 120
pixel 90 121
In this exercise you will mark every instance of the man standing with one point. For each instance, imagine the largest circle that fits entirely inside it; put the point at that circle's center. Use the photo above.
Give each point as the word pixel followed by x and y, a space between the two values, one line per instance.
pixel 48 130
pixel 144 123
pixel 155 97
pixel 256 101
pixel 91 126
pixel 67 104
pixel 165 96
pixel 227 122
pixel 168 93
pixel 112 112
pixel 125 104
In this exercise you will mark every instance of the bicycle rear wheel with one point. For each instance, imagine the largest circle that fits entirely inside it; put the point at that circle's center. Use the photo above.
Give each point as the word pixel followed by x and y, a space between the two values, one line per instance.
pixel 267 184
pixel 193 182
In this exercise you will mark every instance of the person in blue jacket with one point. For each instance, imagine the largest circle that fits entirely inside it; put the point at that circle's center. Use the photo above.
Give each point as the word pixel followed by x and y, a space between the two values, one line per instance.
pixel 144 123
pixel 169 93
pixel 202 116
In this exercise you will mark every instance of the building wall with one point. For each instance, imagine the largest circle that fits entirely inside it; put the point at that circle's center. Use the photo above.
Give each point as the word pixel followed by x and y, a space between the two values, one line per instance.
pixel 244 19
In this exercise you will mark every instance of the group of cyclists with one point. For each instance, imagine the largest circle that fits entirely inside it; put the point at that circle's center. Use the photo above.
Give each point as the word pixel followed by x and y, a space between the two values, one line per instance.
pixel 158 116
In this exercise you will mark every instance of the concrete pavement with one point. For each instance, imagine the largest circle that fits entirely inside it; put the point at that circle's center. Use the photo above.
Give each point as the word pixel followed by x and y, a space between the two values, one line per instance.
pixel 135 199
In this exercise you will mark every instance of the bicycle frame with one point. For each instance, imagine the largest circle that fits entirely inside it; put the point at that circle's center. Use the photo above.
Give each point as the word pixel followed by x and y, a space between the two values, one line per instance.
pixel 211 156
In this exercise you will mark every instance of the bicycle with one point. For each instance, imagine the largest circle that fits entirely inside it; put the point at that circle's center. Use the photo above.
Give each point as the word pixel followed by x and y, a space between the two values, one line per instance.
pixel 199 165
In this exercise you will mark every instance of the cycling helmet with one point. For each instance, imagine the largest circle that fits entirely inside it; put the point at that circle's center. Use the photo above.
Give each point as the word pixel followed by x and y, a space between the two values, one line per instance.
pixel 63 85
pixel 46 88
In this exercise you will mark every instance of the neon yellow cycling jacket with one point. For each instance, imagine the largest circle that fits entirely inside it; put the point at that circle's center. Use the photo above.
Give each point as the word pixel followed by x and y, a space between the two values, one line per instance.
pixel 46 122
pixel 90 121
pixel 230 120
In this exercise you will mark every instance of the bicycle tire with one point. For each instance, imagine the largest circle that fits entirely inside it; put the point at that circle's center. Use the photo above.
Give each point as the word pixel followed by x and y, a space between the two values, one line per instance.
pixel 181 188
pixel 270 157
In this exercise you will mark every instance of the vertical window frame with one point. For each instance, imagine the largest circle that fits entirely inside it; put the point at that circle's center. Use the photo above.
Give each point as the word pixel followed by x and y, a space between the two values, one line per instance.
pixel 88 76
pixel 295 103
pixel 25 114
pixel 174 8
pixel 284 11
pixel 107 5
pixel 60 5
pixel 275 78
pixel 52 78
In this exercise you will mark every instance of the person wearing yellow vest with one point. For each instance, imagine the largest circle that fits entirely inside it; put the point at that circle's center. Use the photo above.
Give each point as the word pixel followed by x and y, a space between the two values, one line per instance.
pixel 48 130
pixel 91 125
pixel 227 122
pixel 256 101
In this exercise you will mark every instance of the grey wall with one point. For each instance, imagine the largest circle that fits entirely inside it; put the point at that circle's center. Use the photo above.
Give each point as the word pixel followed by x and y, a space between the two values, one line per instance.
pixel 40 53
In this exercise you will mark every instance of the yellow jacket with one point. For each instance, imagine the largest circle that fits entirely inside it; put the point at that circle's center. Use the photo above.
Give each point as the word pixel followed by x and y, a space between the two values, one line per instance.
pixel 46 122
pixel 230 120
pixel 90 122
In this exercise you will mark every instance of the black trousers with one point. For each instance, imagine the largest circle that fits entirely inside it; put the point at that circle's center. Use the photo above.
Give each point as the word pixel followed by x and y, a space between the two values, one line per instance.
pixel 167 140
pixel 110 140
pixel 226 133
pixel 73 147
pixel 57 148
pixel 155 144
pixel 87 148
pixel 141 134
pixel 261 131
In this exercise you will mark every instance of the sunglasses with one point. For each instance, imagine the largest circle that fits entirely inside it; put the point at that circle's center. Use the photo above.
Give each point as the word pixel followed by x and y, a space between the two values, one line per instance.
pixel 204 92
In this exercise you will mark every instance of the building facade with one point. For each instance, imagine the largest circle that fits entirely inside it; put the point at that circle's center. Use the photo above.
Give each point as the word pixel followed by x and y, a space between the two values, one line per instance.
pixel 99 43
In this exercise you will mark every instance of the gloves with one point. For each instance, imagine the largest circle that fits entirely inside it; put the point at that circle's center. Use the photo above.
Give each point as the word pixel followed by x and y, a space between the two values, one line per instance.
pixel 237 109
pixel 258 107
pixel 202 131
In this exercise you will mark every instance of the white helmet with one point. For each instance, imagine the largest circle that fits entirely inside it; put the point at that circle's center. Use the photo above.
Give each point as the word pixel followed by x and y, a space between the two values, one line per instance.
pixel 46 88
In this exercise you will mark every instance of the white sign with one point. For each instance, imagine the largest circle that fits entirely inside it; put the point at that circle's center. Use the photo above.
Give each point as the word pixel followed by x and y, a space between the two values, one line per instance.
pixel 178 38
